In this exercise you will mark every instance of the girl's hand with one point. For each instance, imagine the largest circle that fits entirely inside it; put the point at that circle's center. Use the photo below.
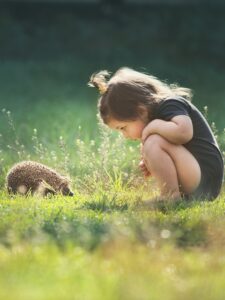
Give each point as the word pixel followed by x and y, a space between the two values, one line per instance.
pixel 144 169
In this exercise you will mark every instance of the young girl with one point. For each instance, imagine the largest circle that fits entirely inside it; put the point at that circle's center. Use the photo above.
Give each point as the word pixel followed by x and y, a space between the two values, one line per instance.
pixel 179 148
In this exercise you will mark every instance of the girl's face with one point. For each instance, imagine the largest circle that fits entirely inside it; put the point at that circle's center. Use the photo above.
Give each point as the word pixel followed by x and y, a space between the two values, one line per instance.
pixel 130 129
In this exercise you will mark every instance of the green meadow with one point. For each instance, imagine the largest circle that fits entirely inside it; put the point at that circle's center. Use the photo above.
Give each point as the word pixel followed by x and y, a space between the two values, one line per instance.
pixel 100 244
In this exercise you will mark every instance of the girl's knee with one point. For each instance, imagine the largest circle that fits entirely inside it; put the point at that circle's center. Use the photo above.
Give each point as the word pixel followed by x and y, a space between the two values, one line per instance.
pixel 152 147
pixel 152 144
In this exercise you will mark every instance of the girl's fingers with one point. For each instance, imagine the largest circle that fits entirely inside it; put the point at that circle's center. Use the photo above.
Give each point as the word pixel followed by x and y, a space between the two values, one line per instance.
pixel 142 165
pixel 144 170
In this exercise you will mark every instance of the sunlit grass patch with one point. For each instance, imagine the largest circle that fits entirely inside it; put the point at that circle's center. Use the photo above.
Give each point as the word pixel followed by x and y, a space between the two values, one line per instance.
pixel 89 221
pixel 102 246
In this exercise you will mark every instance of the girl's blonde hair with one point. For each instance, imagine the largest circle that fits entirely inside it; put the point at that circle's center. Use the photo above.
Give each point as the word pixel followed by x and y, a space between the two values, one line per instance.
pixel 127 92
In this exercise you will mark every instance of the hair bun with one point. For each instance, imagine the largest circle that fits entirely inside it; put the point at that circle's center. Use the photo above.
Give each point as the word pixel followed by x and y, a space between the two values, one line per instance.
pixel 99 81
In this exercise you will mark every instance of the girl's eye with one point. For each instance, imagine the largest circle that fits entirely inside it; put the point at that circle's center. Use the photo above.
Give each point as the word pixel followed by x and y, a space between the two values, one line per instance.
pixel 122 128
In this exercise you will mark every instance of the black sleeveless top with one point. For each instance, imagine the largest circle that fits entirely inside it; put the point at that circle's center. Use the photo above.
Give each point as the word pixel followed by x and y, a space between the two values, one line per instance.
pixel 203 145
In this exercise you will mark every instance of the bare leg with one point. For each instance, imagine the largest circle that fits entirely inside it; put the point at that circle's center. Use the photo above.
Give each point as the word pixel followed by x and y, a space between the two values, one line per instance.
pixel 172 165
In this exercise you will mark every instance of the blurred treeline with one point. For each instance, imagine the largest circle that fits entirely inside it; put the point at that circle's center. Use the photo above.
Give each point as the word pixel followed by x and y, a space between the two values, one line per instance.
pixel 112 34
pixel 183 43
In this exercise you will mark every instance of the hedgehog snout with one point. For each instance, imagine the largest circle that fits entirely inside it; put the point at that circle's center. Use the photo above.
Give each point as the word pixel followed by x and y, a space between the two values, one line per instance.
pixel 66 191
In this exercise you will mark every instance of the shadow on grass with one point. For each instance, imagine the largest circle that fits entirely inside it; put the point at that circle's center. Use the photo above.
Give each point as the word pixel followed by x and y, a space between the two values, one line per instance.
pixel 167 206
pixel 88 233
pixel 92 223
pixel 104 204
pixel 183 223
pixel 91 227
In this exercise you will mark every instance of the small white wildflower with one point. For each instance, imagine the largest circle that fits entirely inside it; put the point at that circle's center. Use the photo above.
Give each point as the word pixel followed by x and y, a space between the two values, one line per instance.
pixel 165 234
pixel 131 149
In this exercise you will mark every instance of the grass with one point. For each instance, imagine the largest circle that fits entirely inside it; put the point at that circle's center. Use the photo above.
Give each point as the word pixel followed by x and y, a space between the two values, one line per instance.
pixel 69 248
pixel 99 244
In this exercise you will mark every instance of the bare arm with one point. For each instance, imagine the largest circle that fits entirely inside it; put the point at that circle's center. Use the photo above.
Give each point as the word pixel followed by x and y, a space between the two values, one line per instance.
pixel 179 130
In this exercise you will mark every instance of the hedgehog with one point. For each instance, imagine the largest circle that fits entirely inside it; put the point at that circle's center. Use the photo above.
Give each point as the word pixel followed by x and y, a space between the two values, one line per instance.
pixel 35 178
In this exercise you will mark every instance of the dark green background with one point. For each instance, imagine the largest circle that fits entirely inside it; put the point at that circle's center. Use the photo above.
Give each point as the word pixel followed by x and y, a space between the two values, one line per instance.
pixel 48 51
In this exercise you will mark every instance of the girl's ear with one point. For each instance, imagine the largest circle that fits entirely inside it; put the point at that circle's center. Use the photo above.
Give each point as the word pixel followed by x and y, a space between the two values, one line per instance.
pixel 143 113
